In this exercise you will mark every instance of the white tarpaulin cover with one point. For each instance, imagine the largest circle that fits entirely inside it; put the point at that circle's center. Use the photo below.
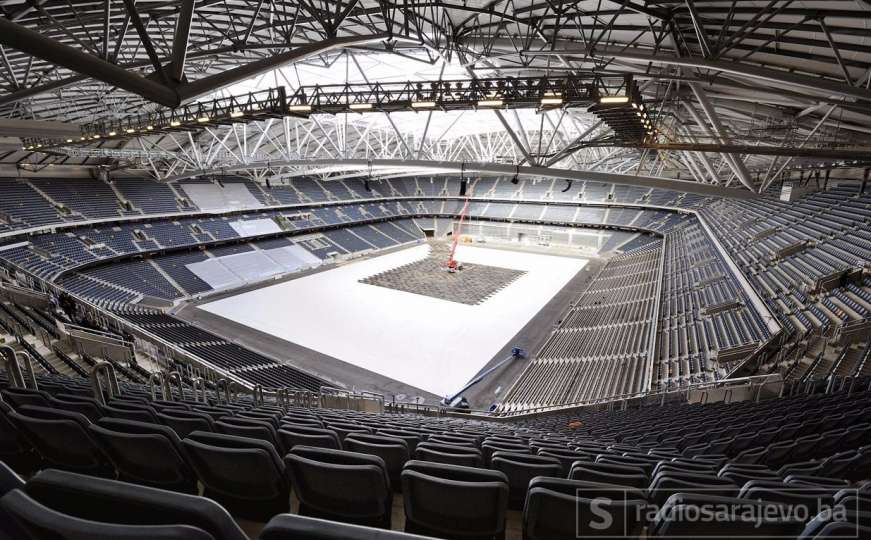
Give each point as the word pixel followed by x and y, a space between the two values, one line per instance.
pixel 252 266
pixel 254 227
pixel 213 197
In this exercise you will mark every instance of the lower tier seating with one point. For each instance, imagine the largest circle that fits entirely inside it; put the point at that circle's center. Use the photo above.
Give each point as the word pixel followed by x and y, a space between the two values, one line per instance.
pixel 94 472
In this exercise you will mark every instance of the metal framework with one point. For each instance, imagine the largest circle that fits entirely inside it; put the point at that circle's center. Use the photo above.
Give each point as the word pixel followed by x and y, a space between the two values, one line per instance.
pixel 735 88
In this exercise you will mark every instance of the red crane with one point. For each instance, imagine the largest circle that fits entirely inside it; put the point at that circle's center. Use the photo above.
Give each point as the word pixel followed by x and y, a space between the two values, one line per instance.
pixel 452 263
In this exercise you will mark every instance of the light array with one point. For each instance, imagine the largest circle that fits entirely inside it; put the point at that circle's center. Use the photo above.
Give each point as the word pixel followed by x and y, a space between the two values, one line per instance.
pixel 625 113
pixel 244 108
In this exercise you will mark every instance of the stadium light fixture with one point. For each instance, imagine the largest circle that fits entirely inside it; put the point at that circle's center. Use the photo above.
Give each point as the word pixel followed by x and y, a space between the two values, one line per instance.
pixel 202 119
pixel 490 103
pixel 236 114
pixel 174 123
pixel 613 100
pixel 130 130
pixel 423 104
pixel 300 108
pixel 360 106
pixel 554 100
pixel 112 133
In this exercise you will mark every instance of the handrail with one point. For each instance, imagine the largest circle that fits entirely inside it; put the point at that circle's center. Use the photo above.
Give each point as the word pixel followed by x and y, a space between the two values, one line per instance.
pixel 161 381
pixel 174 377
pixel 101 367
pixel 13 367
pixel 282 397
pixel 198 383
pixel 257 395
pixel 225 383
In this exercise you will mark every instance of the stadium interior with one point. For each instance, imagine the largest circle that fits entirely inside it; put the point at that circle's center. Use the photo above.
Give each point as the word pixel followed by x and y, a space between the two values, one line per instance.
pixel 472 270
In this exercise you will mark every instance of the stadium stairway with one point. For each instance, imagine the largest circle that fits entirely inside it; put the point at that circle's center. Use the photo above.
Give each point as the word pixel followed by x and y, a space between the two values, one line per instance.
pixel 125 465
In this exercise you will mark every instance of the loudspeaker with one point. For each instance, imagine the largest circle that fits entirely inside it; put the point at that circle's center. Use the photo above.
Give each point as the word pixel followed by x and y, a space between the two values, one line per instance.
pixel 366 184
pixel 463 185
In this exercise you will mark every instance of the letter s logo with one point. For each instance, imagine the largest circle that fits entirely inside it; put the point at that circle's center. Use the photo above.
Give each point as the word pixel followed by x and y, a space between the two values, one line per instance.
pixel 597 507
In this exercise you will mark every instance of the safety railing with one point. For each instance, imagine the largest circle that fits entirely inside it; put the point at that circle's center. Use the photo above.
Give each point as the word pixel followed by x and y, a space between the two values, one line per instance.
pixel 99 371
pixel 339 398
pixel 257 395
pixel 199 384
pixel 174 377
pixel 11 362
pixel 156 379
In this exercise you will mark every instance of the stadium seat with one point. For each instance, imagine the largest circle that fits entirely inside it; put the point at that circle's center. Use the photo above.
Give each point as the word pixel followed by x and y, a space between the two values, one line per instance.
pixel 9 480
pixel 17 397
pixel 294 434
pixel 606 473
pixel 736 518
pixel 488 447
pixel 139 412
pixel 185 422
pixel 62 439
pixel 393 451
pixel 88 407
pixel 775 491
pixel 251 428
pixel 566 457
pixel 340 485
pixel 147 454
pixel 15 451
pixel 292 527
pixel 450 501
pixel 520 469
pixel 70 498
pixel 818 524
pixel 559 509
pixel 667 483
pixel 38 521
pixel 312 421
pixel 840 531
pixel 453 455
pixel 244 475
pixel 411 439
pixel 344 429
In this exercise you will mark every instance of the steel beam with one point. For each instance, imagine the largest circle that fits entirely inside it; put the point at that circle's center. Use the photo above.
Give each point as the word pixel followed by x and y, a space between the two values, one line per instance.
pixel 734 160
pixel 211 83
pixel 778 77
pixel 145 39
pixel 848 154
pixel 50 50
pixel 810 135
pixel 570 148
pixel 180 39
pixel 35 44
pixel 700 29
pixel 837 53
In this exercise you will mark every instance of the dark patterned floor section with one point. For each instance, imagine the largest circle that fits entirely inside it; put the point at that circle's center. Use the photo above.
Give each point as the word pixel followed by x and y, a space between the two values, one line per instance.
pixel 472 285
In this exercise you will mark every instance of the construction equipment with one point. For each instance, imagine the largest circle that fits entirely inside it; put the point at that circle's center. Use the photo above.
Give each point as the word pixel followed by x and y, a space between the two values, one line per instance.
pixel 453 265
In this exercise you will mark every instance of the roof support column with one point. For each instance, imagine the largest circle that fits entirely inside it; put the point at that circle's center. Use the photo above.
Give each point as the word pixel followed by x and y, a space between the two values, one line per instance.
pixel 719 134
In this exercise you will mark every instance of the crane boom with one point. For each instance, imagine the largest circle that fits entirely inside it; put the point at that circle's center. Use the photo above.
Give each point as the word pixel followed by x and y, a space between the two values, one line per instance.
pixel 452 263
